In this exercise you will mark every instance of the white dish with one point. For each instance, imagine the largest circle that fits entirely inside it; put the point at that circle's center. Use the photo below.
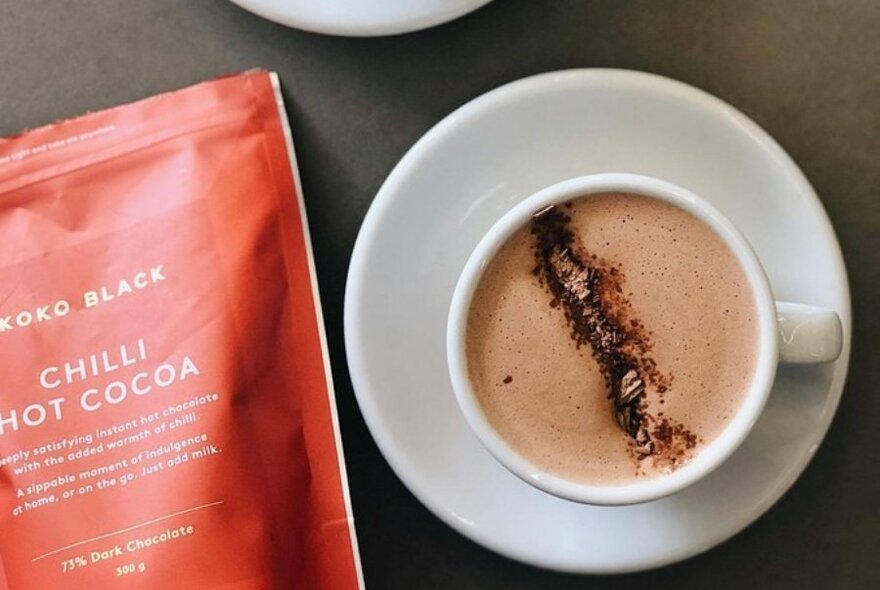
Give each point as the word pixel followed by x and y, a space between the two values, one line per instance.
pixel 455 183
pixel 361 18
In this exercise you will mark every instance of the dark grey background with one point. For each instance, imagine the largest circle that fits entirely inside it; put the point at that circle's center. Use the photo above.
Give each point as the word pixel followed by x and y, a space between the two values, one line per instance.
pixel 808 71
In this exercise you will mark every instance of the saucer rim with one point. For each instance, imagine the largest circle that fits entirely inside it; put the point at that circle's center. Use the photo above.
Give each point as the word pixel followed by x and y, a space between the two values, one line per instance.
pixel 520 89
pixel 269 10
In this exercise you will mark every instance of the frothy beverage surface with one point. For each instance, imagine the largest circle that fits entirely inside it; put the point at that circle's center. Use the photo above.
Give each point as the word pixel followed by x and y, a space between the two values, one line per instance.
pixel 612 338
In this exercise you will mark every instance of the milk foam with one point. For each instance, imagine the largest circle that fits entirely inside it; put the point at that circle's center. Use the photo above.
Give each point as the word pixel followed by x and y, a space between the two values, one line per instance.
pixel 549 399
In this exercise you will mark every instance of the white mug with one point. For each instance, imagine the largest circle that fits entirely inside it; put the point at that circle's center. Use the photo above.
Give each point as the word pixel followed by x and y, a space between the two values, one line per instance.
pixel 788 333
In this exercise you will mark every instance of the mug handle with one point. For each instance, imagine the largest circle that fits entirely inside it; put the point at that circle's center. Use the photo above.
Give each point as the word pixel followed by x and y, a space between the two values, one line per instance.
pixel 808 334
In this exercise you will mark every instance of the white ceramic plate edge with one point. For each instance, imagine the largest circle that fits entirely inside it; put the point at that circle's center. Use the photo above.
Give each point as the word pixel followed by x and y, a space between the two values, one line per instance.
pixel 353 29
pixel 384 200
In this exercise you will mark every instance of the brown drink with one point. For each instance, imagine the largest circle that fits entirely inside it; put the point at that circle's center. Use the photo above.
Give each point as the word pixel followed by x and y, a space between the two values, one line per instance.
pixel 612 338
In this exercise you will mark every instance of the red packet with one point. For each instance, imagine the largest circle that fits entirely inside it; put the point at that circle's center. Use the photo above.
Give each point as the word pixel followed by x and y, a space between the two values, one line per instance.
pixel 167 417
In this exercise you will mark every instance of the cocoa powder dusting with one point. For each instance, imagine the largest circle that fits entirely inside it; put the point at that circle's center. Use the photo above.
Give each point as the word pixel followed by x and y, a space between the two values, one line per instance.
pixel 590 293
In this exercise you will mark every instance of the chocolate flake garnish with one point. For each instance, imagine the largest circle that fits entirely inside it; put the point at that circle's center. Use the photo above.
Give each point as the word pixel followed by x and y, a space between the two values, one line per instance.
pixel 508 379
pixel 591 296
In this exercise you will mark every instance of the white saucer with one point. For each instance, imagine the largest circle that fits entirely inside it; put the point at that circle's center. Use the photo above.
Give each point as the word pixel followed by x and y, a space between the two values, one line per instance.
pixel 455 183
pixel 361 18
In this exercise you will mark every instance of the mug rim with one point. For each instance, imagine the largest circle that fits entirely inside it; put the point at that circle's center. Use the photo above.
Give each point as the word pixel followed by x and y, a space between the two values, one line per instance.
pixel 714 453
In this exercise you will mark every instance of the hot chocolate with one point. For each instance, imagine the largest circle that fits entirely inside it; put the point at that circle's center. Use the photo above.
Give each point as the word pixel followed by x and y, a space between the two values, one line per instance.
pixel 612 338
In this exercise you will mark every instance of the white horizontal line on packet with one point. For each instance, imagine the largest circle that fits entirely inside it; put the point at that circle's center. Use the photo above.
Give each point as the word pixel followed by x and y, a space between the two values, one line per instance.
pixel 128 529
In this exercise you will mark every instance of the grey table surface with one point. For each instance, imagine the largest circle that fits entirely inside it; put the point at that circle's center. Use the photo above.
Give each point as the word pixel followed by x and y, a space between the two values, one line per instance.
pixel 808 71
